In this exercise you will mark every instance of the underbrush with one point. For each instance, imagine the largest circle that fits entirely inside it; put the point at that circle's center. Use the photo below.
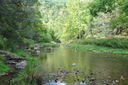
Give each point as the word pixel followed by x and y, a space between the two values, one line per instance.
pixel 20 52
pixel 31 75
pixel 109 42
pixel 3 67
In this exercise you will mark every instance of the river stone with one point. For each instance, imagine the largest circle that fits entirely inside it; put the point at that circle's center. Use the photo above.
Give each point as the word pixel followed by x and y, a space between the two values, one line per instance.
pixel 73 64
pixel 96 51
pixel 36 48
pixel 3 52
pixel 7 54
pixel 10 62
pixel 37 52
pixel 40 45
pixel 21 65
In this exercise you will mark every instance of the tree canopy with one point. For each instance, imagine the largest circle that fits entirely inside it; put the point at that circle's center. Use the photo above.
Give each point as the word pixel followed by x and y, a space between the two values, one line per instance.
pixel 59 21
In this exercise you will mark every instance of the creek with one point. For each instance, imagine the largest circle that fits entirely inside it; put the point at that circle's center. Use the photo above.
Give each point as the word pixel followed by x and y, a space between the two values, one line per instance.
pixel 71 66
pixel 68 66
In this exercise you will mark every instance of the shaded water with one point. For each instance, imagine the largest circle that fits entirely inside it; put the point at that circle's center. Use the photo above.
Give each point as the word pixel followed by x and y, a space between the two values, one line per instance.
pixel 5 79
pixel 71 66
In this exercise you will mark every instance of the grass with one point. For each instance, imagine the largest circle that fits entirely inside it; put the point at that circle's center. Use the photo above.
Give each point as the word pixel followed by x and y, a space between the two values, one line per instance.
pixel 21 53
pixel 31 74
pixel 106 42
pixel 108 45
pixel 100 48
pixel 3 67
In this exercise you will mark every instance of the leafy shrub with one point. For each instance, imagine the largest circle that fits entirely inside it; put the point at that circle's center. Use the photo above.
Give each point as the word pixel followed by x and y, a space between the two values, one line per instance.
pixel 45 38
pixel 28 41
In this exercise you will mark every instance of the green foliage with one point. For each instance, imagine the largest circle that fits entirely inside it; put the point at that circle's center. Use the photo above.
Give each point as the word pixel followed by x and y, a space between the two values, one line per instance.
pixel 1 42
pixel 53 15
pixel 100 49
pixel 53 33
pixel 51 20
pixel 1 58
pixel 31 73
pixel 20 22
pixel 101 6
pixel 44 38
pixel 50 9
pixel 76 16
pixel 124 6
pixel 97 18
pixel 110 42
pixel 120 21
pixel 21 52
pixel 100 25
pixel 3 67
pixel 28 41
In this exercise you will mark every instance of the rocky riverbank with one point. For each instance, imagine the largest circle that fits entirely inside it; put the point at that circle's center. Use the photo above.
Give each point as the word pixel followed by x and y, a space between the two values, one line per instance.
pixel 13 60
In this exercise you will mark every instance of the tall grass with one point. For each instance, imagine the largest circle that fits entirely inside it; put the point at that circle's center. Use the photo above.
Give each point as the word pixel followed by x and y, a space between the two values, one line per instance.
pixel 31 75
pixel 20 52
pixel 3 67
pixel 100 48
pixel 109 42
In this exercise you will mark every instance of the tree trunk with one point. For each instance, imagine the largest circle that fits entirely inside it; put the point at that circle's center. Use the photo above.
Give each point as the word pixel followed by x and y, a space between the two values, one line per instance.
pixel 79 24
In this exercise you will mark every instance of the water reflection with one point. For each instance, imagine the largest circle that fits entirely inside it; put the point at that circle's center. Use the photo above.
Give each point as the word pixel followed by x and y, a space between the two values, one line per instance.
pixel 76 66
pixel 54 83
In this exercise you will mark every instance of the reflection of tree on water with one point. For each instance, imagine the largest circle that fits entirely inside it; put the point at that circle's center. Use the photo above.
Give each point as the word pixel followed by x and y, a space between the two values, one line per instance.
pixel 55 83
pixel 92 68
pixel 75 77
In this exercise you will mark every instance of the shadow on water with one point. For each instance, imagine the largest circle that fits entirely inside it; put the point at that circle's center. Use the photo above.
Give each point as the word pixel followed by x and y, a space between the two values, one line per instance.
pixel 73 66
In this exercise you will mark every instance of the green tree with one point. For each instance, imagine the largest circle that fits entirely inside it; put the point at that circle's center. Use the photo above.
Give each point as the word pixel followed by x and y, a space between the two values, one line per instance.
pixel 101 6
pixel 19 19
pixel 119 21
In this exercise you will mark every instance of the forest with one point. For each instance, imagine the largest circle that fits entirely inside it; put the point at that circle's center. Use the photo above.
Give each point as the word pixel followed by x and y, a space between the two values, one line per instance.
pixel 73 22
pixel 33 21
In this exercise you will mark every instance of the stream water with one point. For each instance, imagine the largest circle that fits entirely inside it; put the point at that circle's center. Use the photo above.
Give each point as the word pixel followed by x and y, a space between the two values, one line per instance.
pixel 67 66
